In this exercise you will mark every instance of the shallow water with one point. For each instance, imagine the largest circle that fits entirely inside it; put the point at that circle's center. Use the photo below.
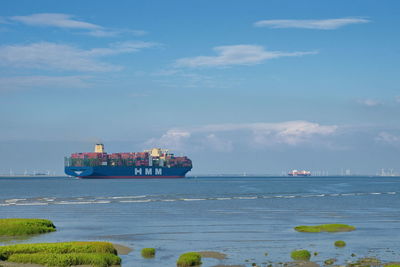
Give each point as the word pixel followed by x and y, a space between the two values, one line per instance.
pixel 241 217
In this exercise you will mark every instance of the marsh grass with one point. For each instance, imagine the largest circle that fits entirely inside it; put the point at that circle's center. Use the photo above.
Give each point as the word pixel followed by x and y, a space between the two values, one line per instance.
pixel 100 254
pixel 189 259
pixel 58 248
pixel 302 255
pixel 24 227
pixel 331 228
pixel 65 260
pixel 148 252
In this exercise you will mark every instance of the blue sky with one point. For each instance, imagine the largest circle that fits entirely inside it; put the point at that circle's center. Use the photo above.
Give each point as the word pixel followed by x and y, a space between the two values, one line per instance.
pixel 239 86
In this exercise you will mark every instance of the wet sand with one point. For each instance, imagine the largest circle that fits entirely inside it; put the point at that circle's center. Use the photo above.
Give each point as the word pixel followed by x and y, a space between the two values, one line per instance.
pixel 122 250
pixel 212 254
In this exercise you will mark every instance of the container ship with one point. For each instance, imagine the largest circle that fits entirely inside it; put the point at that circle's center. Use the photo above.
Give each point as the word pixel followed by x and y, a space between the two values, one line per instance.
pixel 299 173
pixel 153 163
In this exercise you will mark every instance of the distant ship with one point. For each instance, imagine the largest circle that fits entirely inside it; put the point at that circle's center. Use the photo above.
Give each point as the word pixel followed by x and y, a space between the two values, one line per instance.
pixel 299 173
pixel 153 163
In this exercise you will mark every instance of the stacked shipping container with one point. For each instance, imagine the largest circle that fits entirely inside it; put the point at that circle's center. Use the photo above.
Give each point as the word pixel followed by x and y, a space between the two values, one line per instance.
pixel 93 159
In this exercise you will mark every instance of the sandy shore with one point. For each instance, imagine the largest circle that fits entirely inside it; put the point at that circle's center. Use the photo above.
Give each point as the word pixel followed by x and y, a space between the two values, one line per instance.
pixel 122 250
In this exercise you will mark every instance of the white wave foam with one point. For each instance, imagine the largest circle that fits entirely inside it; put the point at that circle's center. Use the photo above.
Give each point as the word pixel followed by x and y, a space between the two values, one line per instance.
pixel 193 199
pixel 139 199
pixel 14 200
pixel 245 197
pixel 122 197
pixel 32 204
pixel 135 201
pixel 47 199
pixel 80 202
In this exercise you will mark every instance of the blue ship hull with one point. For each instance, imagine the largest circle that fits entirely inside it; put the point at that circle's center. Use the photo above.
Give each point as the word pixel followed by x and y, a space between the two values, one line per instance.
pixel 107 172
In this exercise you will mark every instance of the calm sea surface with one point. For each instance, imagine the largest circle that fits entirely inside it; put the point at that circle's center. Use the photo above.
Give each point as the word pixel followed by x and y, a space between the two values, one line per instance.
pixel 241 217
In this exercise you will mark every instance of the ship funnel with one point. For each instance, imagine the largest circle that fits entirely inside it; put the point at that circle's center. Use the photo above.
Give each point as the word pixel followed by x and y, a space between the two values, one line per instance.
pixel 99 148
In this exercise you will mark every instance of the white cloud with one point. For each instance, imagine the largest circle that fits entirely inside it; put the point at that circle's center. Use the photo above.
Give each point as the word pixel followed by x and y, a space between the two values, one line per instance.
pixel 388 138
pixel 111 33
pixel 369 102
pixel 173 139
pixel 47 55
pixel 67 21
pixel 25 82
pixel 181 78
pixel 3 20
pixel 322 24
pixel 290 133
pixel 236 55
pixel 55 20
pixel 218 144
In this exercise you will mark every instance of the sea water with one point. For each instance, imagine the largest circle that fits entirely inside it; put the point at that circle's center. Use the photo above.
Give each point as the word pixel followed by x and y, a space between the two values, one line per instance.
pixel 251 220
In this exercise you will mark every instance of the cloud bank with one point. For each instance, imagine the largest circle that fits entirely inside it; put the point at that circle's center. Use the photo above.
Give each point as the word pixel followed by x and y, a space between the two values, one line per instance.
pixel 236 55
pixel 24 82
pixel 369 102
pixel 67 21
pixel 53 56
pixel 55 20
pixel 223 137
pixel 388 138
pixel 322 24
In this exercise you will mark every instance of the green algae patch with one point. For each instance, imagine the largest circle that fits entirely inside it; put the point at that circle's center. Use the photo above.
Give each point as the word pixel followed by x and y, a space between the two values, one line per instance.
pixel 301 255
pixel 340 244
pixel 331 228
pixel 24 227
pixel 392 265
pixel 148 252
pixel 99 254
pixel 189 259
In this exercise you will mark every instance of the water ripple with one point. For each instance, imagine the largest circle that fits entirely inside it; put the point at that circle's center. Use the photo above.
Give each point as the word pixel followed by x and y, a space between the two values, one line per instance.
pixel 87 200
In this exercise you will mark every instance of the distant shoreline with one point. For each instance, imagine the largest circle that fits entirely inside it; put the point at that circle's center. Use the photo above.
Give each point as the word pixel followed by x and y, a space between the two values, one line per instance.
pixel 223 176
pixel 33 176
pixel 287 176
